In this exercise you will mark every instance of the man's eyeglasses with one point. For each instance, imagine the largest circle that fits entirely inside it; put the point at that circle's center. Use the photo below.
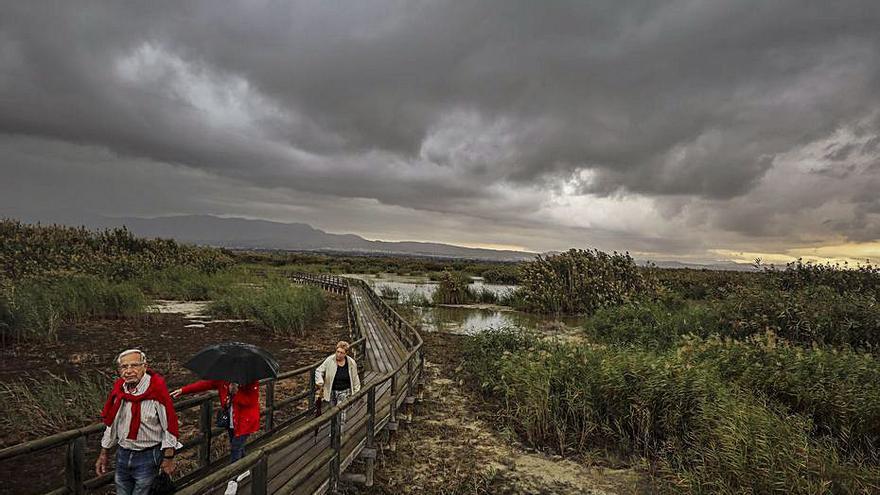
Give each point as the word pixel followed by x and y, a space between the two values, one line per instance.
pixel 130 366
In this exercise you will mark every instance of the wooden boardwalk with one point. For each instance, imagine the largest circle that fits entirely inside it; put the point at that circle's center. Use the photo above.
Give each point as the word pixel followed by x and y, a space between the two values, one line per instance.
pixel 296 452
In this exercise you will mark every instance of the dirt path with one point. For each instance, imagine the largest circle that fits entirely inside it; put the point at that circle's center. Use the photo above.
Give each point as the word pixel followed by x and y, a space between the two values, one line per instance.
pixel 452 448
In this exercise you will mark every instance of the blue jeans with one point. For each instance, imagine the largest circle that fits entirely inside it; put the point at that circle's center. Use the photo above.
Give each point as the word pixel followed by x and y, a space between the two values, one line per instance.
pixel 136 470
pixel 236 445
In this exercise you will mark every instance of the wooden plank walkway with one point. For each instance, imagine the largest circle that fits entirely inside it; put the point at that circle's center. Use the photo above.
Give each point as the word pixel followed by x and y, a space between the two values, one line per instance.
pixel 299 453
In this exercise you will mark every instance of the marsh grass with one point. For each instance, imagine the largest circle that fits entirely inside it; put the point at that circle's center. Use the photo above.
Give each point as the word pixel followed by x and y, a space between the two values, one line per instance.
pixel 704 431
pixel 454 289
pixel 52 403
pixel 389 292
pixel 279 306
pixel 581 282
pixel 36 308
pixel 188 284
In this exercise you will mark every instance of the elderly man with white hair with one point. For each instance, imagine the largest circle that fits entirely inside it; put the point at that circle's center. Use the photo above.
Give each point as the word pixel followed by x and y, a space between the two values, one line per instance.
pixel 141 420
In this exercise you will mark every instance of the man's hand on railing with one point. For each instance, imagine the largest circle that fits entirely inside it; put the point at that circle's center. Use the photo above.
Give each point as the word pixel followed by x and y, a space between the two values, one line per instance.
pixel 168 465
pixel 102 465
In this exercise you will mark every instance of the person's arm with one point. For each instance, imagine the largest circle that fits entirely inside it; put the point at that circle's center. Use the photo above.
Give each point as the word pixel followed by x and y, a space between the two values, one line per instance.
pixel 194 388
pixel 355 379
pixel 319 374
pixel 170 442
pixel 102 464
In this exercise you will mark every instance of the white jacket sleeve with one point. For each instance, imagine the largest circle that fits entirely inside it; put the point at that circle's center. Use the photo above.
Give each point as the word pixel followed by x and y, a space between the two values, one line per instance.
pixel 355 379
pixel 319 373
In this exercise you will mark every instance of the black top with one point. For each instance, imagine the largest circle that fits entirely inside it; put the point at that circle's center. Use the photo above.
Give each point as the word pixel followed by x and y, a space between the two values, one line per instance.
pixel 342 381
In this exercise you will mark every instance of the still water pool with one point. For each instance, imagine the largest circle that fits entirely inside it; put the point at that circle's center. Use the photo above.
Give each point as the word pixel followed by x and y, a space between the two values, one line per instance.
pixel 463 320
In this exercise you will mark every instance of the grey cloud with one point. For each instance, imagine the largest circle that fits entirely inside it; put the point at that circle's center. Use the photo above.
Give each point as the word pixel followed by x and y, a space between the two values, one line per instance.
pixel 659 98
pixel 841 153
pixel 871 146
pixel 432 106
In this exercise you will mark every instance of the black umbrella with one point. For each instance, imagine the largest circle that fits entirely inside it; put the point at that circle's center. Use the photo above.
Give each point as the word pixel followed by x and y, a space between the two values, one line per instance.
pixel 235 362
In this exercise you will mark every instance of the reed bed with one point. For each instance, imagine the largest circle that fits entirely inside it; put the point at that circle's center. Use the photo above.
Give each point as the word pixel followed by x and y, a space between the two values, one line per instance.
pixel 36 308
pixel 51 404
pixel 703 430
pixel 279 306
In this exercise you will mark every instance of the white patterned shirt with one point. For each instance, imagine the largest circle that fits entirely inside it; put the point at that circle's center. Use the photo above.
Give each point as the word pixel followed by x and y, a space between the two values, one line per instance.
pixel 154 424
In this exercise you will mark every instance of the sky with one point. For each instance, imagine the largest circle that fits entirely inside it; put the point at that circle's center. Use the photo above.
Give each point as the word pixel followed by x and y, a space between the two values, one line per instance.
pixel 676 130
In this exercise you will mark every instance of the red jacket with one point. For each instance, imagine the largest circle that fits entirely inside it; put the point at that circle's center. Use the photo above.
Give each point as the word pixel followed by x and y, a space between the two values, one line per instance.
pixel 245 403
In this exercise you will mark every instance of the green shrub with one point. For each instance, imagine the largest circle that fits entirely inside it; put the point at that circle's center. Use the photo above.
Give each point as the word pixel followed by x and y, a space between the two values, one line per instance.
pixel 707 435
pixel 581 282
pixel 812 315
pixel 188 284
pixel 454 289
pixel 817 314
pixel 279 306
pixel 389 292
pixel 36 308
pixel 484 295
pixel 35 250
pixel 836 388
pixel 864 279
pixel 51 404
pixel 502 274
pixel 740 444
pixel 703 284
pixel 650 324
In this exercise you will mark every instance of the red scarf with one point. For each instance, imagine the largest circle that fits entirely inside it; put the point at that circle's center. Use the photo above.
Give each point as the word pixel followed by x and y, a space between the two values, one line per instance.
pixel 157 391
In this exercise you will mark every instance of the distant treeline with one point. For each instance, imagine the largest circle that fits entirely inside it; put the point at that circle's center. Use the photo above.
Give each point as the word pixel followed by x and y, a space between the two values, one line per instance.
pixel 496 272
pixel 32 250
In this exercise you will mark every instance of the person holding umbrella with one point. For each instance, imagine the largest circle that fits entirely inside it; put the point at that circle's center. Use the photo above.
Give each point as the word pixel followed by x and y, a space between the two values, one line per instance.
pixel 234 370
pixel 240 405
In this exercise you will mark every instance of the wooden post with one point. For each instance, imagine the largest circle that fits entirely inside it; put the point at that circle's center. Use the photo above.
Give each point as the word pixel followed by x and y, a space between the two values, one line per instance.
pixel 409 391
pixel 74 466
pixel 313 399
pixel 410 375
pixel 270 406
pixel 422 377
pixel 260 476
pixel 392 420
pixel 393 412
pixel 205 425
pixel 335 444
pixel 371 434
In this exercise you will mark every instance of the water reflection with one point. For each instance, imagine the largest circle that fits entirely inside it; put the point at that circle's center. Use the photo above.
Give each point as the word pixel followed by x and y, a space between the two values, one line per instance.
pixel 463 320
pixel 470 320
pixel 406 287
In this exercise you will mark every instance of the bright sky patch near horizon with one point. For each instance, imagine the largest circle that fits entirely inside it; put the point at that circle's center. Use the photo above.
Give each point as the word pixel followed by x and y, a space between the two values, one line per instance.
pixel 682 130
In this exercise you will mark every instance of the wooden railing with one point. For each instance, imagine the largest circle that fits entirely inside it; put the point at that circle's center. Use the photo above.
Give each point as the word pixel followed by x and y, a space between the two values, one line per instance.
pixel 299 406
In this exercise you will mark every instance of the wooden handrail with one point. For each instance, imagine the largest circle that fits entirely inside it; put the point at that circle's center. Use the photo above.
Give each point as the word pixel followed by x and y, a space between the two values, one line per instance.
pixel 332 454
pixel 74 438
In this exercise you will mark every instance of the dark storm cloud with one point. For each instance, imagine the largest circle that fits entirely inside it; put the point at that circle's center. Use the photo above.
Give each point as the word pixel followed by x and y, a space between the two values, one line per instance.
pixel 453 106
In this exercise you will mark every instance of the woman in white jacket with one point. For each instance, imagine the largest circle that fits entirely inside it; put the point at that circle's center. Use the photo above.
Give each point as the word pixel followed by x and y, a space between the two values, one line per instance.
pixel 338 377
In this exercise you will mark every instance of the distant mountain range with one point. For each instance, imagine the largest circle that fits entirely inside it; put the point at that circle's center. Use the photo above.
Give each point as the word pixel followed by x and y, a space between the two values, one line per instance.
pixel 242 233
